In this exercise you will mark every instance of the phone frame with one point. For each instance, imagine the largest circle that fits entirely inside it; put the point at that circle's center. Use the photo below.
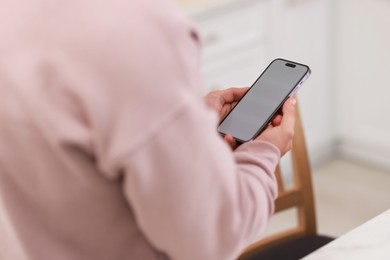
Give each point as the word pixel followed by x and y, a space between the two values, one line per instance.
pixel 292 92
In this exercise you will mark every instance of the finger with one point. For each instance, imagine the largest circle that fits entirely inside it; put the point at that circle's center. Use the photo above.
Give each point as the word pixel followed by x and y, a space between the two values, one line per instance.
pixel 233 94
pixel 277 120
pixel 232 105
pixel 231 142
pixel 288 119
pixel 239 92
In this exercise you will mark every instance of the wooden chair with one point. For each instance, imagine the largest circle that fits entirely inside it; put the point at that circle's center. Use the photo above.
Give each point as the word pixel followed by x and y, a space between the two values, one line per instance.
pixel 303 239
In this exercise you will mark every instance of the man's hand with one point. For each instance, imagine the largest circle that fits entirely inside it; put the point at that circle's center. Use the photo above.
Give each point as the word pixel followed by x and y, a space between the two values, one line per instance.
pixel 222 101
pixel 281 131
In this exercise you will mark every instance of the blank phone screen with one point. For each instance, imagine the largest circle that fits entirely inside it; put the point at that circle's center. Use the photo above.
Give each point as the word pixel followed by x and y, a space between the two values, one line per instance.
pixel 263 99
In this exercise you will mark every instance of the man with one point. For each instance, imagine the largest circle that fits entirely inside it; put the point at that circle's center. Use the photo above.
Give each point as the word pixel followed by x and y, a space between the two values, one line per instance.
pixel 107 148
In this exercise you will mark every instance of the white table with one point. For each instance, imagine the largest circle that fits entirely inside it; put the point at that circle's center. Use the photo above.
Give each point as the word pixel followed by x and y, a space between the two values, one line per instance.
pixel 370 241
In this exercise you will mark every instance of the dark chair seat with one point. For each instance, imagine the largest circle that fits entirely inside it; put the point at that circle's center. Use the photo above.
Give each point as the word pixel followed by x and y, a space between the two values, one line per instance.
pixel 291 250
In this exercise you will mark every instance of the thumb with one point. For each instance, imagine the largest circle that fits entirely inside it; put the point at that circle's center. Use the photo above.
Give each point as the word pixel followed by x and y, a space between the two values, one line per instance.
pixel 289 113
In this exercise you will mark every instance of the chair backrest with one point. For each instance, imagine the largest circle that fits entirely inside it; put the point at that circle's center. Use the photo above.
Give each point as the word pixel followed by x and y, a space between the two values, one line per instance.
pixel 299 195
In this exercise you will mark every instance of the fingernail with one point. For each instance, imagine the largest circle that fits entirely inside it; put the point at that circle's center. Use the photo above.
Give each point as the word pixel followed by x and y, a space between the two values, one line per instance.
pixel 293 101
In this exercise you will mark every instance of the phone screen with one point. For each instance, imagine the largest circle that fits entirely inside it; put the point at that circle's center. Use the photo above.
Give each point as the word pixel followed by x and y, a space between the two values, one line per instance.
pixel 263 99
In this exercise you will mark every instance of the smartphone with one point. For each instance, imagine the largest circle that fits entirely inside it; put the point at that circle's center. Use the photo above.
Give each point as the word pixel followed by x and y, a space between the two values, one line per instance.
pixel 261 103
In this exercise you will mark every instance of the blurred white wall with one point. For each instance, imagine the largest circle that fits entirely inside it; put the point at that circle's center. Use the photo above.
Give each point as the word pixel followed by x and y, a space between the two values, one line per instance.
pixel 362 79
pixel 301 32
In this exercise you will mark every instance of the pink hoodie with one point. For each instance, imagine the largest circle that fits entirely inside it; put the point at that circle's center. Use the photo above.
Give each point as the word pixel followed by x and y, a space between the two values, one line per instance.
pixel 107 150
